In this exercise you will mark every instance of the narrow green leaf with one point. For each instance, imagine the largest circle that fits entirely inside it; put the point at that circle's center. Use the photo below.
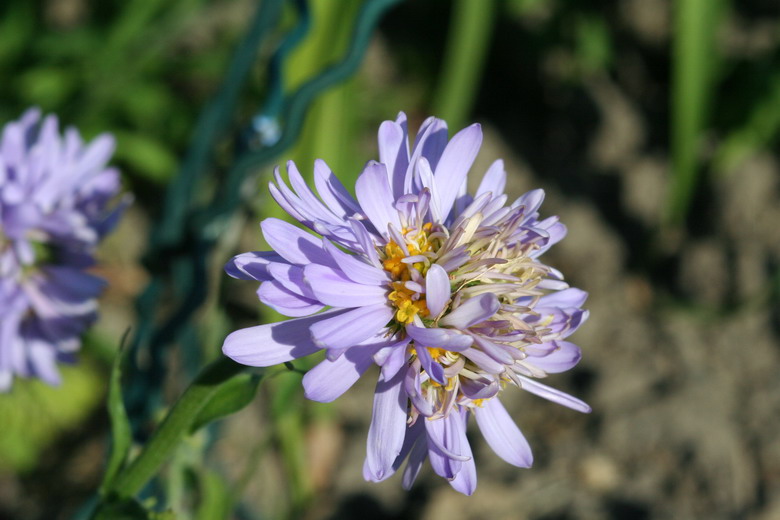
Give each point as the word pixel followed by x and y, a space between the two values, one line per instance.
pixel 125 510
pixel 593 44
pixel 215 497
pixel 760 129
pixel 289 425
pixel 47 86
pixel 176 425
pixel 17 29
pixel 229 398
pixel 163 515
pixel 146 155
pixel 121 435
pixel 522 8
pixel 467 45
pixel 130 510
pixel 693 67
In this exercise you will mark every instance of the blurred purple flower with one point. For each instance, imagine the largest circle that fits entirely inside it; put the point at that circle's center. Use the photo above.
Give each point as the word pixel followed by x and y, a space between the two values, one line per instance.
pixel 55 193
pixel 442 290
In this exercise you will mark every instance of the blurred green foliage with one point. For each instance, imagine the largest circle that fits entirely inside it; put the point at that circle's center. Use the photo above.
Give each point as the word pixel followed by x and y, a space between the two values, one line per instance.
pixel 34 414
pixel 140 70
pixel 759 130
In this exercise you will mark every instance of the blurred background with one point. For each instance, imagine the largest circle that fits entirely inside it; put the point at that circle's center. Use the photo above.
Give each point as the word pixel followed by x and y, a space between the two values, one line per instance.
pixel 652 125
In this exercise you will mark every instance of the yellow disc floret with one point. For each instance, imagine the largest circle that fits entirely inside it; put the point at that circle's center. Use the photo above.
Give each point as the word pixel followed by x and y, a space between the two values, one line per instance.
pixel 408 308
pixel 409 302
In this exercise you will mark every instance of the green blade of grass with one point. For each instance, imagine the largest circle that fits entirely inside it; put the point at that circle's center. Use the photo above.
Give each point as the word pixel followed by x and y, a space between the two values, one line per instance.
pixel 464 59
pixel 760 129
pixel 694 60
pixel 121 435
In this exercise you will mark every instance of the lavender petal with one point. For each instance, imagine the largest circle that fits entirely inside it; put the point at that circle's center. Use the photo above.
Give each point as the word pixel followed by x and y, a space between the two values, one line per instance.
pixel 388 427
pixel 332 192
pixel 440 338
pixel 437 290
pixel 292 243
pixel 375 197
pixel 554 395
pixel 444 445
pixel 355 268
pixel 432 367
pixel 397 358
pixel 571 297
pixel 350 328
pixel 417 456
pixel 565 356
pixel 329 379
pixel 472 312
pixel 502 434
pixel 286 302
pixel 494 180
pixel 454 165
pixel 332 287
pixel 412 385
pixel 394 153
pixel 466 480
pixel 274 343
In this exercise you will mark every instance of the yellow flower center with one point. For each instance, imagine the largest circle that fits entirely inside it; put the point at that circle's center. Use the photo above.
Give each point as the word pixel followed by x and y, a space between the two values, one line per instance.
pixel 408 308
pixel 409 303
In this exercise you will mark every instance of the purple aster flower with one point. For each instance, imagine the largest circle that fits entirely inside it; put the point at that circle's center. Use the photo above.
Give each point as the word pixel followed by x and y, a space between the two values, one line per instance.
pixel 54 209
pixel 442 290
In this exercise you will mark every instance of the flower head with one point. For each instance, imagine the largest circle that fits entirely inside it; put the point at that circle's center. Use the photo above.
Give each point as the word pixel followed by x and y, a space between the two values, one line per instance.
pixel 443 290
pixel 54 209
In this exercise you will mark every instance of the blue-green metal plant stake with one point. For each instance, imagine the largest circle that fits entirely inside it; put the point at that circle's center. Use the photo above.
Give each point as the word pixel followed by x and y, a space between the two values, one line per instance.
pixel 186 233
pixel 185 236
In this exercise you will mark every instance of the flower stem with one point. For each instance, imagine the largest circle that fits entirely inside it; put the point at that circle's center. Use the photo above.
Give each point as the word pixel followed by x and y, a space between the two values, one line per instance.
pixel 694 65
pixel 174 427
pixel 467 45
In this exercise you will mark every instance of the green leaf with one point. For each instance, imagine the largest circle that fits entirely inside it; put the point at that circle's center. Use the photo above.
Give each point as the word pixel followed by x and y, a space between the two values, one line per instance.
pixel 46 86
pixel 215 497
pixel 146 104
pixel 163 515
pixel 467 45
pixel 121 436
pixel 176 425
pixel 130 510
pixel 229 398
pixel 593 44
pixel 521 8
pixel 695 60
pixel 125 510
pixel 147 156
pixel 17 30
pixel 760 129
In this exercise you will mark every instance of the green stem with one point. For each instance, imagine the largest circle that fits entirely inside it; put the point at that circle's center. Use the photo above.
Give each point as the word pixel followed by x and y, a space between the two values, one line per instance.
pixel 467 45
pixel 174 427
pixel 694 59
